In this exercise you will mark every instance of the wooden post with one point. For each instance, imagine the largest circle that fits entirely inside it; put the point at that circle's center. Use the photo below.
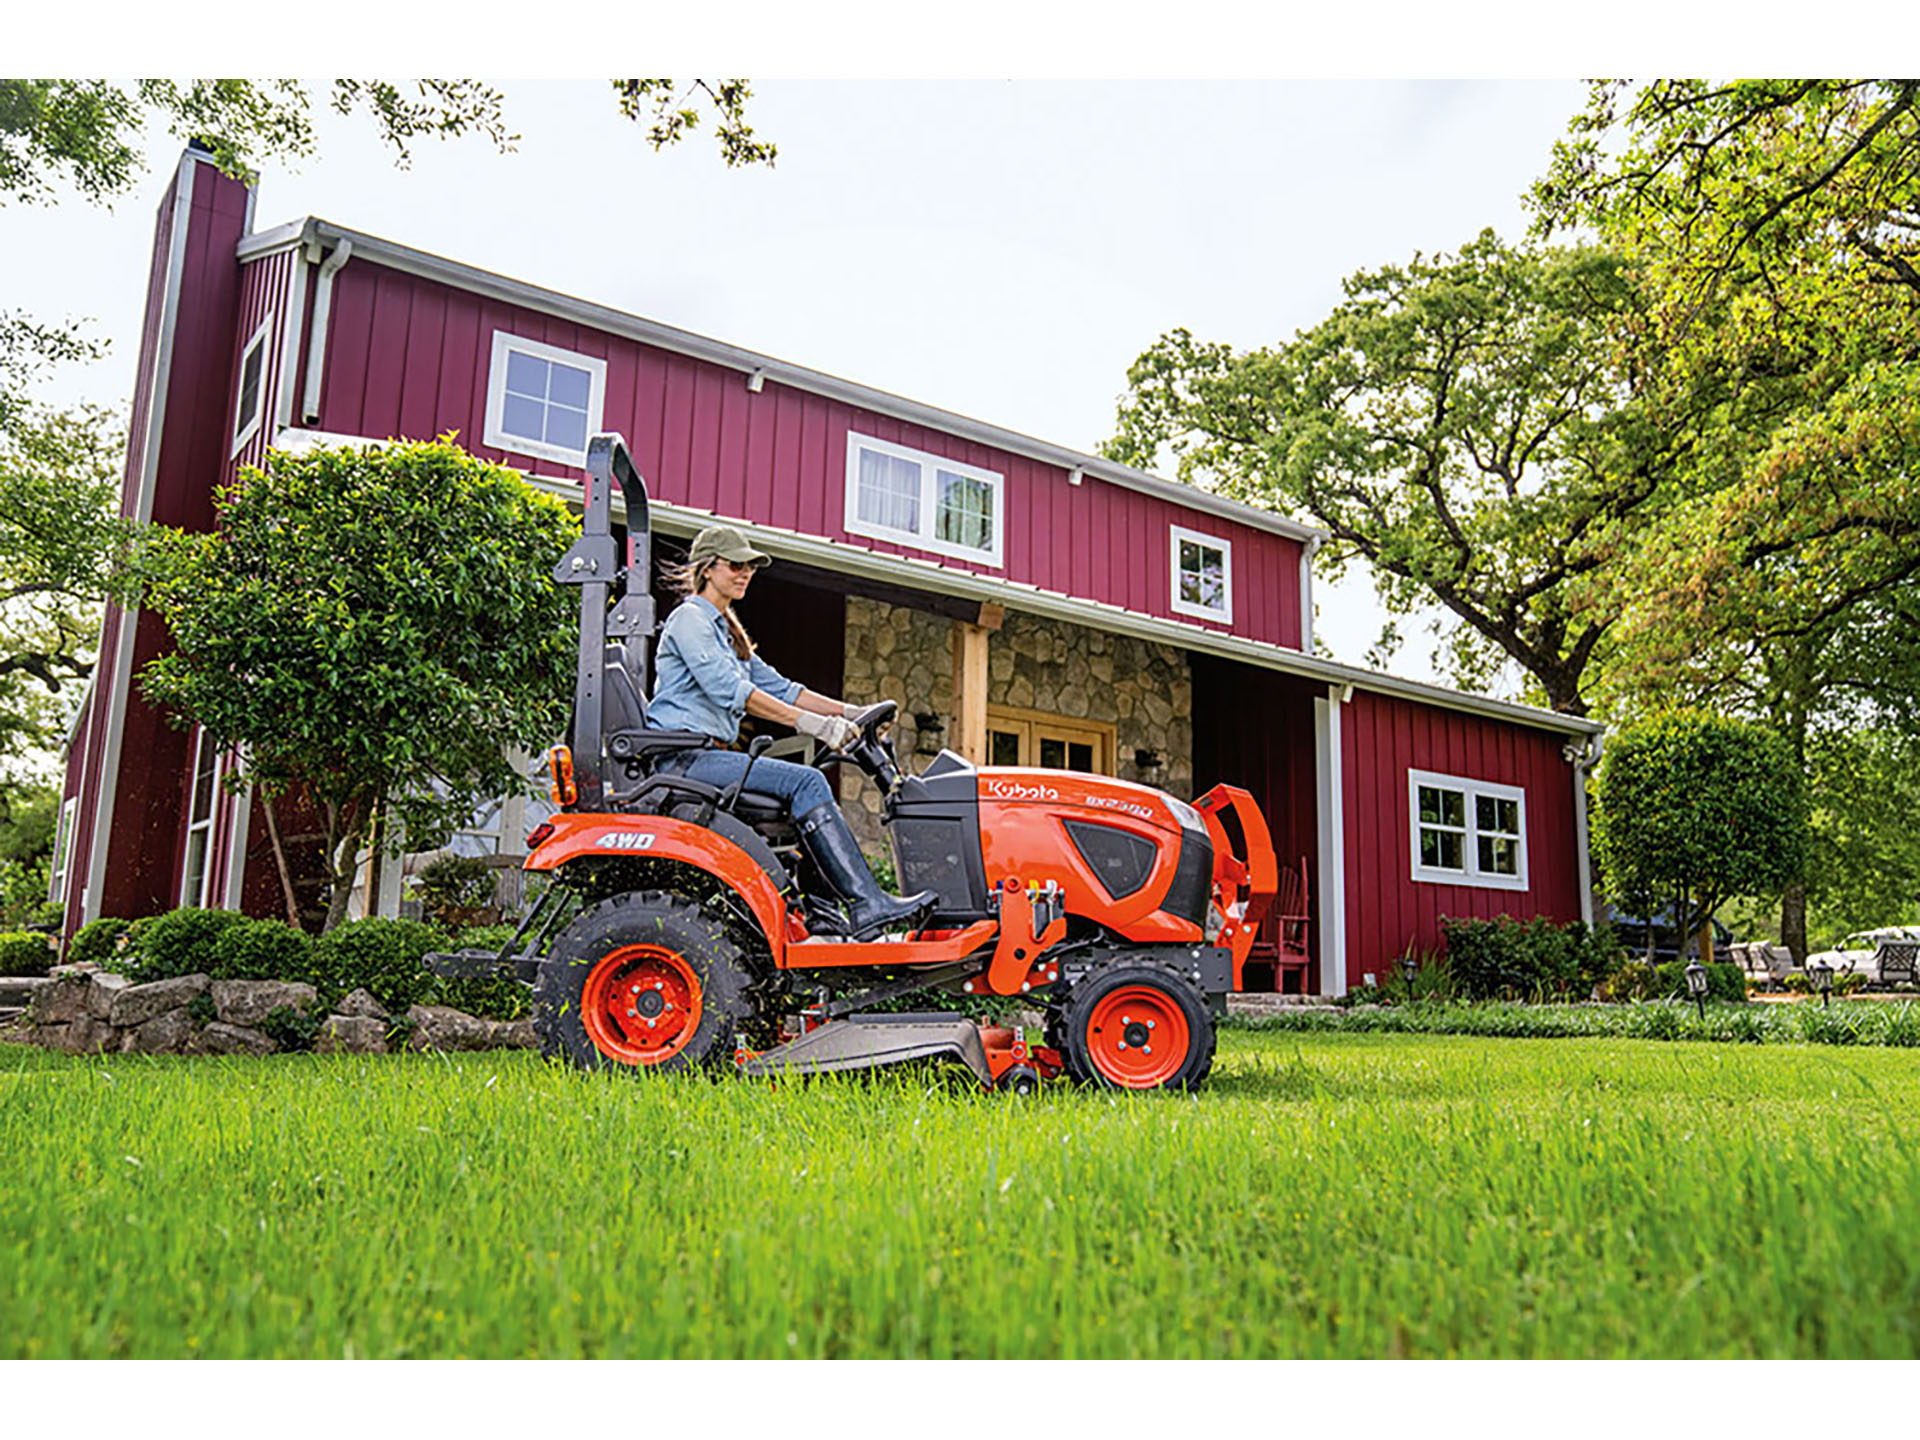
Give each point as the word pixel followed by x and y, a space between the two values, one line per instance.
pixel 970 683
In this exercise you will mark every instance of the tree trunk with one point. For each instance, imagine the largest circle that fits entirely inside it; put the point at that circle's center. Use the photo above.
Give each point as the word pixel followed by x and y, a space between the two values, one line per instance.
pixel 343 858
pixel 280 865
pixel 1793 921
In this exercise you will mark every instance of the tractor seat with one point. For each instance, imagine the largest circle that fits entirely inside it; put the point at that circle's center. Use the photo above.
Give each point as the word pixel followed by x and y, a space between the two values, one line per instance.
pixel 624 717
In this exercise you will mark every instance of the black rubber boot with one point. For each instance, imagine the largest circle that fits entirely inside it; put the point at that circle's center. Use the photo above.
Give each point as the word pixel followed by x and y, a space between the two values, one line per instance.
pixel 831 847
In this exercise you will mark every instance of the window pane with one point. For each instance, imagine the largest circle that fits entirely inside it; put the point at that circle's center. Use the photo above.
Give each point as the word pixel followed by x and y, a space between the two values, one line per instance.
pixel 1442 807
pixel 964 515
pixel 526 375
pixel 567 427
pixel 1509 817
pixel 568 385
pixel 1079 757
pixel 1053 754
pixel 205 758
pixel 1003 747
pixel 249 388
pixel 1452 850
pixel 889 492
pixel 523 417
pixel 195 879
pixel 1498 856
pixel 1203 575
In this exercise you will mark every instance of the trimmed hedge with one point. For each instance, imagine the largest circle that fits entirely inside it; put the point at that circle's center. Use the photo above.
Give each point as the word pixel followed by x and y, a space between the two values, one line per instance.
pixel 382 957
pixel 24 952
pixel 261 950
pixel 98 942
pixel 1509 959
pixel 180 942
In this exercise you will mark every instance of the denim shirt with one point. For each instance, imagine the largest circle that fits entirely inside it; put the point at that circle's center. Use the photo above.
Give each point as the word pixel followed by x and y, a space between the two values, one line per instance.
pixel 702 683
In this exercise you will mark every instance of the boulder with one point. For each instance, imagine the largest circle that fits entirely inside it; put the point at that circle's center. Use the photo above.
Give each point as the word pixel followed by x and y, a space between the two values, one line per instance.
pixel 248 1002
pixel 441 1027
pixel 63 1000
pixel 351 1035
pixel 515 1034
pixel 138 1004
pixel 169 1033
pixel 220 1038
pixel 83 1035
pixel 360 1004
pixel 106 985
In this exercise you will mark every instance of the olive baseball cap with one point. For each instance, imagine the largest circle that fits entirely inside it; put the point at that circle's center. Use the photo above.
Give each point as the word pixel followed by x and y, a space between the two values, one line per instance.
pixel 723 542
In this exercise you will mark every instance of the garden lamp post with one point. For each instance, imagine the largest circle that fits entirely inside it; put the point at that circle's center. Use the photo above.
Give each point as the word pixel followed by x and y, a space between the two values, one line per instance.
pixel 1821 974
pixel 1697 985
pixel 1409 967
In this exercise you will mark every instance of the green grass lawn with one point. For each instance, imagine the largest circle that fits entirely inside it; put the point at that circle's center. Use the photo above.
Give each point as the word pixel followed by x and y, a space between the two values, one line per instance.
pixel 1325 1195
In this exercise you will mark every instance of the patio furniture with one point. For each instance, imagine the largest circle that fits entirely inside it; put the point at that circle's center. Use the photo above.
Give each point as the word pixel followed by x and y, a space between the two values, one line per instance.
pixel 1283 933
pixel 1896 961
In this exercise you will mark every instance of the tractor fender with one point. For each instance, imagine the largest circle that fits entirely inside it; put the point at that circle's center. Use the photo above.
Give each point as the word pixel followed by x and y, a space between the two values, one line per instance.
pixel 660 837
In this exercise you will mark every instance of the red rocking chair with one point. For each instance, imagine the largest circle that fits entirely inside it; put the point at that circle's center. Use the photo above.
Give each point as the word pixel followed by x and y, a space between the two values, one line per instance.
pixel 1282 946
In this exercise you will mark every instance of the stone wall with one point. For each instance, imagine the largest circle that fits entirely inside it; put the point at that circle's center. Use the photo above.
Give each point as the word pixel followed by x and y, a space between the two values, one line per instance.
pixel 1142 688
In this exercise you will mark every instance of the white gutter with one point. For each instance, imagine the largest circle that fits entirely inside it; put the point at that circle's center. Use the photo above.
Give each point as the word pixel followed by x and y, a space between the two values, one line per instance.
pixel 317 337
pixel 1585 754
pixel 750 364
pixel 1311 549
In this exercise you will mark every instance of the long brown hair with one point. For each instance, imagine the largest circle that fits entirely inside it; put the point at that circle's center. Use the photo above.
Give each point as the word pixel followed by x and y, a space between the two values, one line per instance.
pixel 690 580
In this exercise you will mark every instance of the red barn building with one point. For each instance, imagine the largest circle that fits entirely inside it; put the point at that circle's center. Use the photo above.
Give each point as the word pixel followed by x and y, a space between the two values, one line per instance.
pixel 1025 603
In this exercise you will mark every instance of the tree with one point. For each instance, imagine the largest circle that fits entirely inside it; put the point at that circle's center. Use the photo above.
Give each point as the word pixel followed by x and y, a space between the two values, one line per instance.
pixel 58 493
pixel 1692 809
pixel 85 132
pixel 1863 852
pixel 372 629
pixel 1469 425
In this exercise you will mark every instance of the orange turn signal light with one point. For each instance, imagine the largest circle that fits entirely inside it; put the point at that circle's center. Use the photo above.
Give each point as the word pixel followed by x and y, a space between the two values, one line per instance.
pixel 564 792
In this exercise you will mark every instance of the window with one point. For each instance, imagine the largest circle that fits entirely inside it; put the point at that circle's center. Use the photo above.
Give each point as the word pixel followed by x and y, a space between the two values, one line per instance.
pixel 62 850
pixel 914 498
pixel 1051 742
pixel 1202 575
pixel 543 401
pixel 194 875
pixel 1468 832
pixel 246 405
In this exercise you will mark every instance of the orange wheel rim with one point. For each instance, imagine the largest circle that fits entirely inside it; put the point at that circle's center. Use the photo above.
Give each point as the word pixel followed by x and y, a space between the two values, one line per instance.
pixel 641 1005
pixel 1137 1037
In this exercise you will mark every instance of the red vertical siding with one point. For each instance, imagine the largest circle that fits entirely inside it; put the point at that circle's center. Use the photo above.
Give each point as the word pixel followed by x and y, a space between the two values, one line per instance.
pixel 408 357
pixel 1382 738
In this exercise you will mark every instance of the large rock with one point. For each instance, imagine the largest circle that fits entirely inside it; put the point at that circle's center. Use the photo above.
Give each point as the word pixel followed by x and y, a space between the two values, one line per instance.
pixel 220 1038
pixel 248 1002
pixel 83 1035
pixel 351 1035
pixel 138 1004
pixel 169 1033
pixel 515 1034
pixel 441 1027
pixel 63 1000
pixel 360 1004
pixel 105 986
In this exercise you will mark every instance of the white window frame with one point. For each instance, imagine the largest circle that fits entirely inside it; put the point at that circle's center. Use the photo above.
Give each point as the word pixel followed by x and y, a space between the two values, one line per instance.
pixel 495 433
pixel 1472 790
pixel 63 850
pixel 193 826
pixel 925 538
pixel 1177 533
pixel 242 434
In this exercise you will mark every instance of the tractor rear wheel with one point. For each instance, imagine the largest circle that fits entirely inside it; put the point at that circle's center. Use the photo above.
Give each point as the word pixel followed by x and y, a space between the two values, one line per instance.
pixel 648 981
pixel 1137 1027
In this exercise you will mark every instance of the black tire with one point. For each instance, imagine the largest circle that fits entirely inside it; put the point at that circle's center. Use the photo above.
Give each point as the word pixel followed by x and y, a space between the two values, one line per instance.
pixel 657 941
pixel 1020 1080
pixel 1098 1024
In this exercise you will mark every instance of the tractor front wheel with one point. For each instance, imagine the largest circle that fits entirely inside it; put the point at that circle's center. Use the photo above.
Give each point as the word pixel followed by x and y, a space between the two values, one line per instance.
pixel 645 981
pixel 1137 1027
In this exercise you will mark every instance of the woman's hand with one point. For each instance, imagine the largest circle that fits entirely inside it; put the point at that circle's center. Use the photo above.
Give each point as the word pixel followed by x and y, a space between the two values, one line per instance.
pixel 834 731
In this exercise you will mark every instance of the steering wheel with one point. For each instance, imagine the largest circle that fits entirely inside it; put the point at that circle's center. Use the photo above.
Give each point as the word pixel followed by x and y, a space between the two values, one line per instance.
pixel 867 724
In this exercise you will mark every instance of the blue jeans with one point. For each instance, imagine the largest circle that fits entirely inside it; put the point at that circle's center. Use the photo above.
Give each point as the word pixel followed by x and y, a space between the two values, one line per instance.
pixel 804 788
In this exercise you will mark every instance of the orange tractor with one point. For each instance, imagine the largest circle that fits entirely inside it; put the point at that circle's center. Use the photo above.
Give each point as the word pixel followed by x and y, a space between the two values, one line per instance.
pixel 683 927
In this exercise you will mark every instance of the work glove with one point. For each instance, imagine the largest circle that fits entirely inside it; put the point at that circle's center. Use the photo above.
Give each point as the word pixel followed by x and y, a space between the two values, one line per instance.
pixel 834 731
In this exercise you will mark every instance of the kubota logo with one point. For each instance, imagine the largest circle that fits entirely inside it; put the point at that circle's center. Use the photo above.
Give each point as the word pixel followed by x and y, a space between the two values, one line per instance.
pixel 625 840
pixel 1015 790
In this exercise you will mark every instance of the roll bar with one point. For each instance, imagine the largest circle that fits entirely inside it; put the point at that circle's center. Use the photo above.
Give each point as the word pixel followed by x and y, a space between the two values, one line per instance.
pixel 595 564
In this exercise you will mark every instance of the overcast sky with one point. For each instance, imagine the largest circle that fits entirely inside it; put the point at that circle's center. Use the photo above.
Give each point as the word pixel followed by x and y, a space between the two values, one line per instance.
pixel 1002 249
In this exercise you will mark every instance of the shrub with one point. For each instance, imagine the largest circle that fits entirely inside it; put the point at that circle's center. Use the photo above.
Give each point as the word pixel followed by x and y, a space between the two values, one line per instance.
pixel 497 997
pixel 179 942
pixel 1851 983
pixel 262 950
pixel 291 1030
pixel 382 957
pixel 1638 981
pixel 1513 959
pixel 98 942
pixel 452 887
pixel 24 952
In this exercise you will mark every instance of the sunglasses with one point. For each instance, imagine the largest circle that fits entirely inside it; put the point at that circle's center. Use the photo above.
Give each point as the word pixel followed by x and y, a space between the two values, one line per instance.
pixel 738 565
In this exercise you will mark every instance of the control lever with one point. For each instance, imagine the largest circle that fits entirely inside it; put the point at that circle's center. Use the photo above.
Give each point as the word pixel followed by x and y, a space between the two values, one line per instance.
pixel 1048 903
pixel 754 752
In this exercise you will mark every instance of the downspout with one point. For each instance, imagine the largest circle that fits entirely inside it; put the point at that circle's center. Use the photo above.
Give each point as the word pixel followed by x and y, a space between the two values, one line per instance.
pixel 1584 757
pixel 317 336
pixel 1309 549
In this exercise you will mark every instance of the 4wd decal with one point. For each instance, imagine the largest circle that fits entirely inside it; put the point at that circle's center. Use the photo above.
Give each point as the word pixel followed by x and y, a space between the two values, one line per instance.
pixel 625 840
